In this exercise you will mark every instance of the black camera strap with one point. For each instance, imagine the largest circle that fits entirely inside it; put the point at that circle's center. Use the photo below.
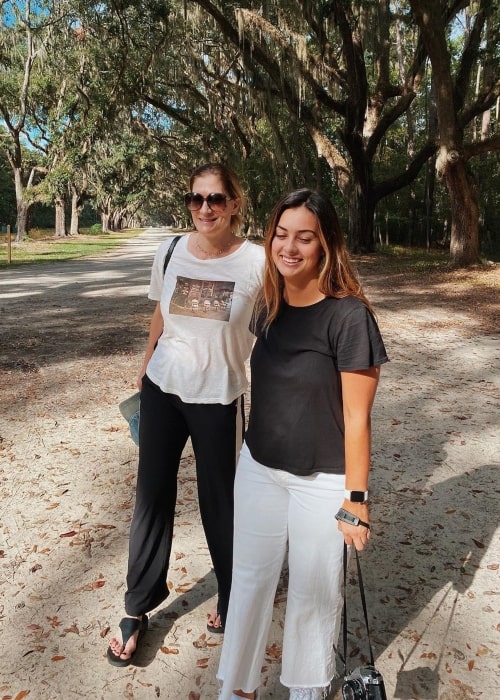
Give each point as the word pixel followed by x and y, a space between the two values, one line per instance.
pixel 363 601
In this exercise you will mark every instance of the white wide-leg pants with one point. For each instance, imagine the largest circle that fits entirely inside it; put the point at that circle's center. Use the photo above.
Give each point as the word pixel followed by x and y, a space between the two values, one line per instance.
pixel 273 507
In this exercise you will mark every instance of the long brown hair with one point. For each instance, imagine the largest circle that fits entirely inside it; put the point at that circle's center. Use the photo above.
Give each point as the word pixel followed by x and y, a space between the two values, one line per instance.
pixel 337 277
pixel 231 184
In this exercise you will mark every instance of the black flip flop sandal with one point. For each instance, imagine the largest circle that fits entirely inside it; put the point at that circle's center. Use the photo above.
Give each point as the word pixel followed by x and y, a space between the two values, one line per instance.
pixel 216 630
pixel 128 626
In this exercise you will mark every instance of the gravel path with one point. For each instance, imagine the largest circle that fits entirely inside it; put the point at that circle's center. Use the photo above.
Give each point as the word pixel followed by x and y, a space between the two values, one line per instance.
pixel 72 335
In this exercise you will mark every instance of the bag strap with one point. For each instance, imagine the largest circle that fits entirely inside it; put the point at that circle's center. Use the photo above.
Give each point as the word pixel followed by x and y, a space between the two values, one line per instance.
pixel 170 250
pixel 363 601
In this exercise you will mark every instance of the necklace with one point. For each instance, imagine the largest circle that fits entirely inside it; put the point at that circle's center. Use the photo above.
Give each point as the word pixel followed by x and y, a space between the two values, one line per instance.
pixel 216 253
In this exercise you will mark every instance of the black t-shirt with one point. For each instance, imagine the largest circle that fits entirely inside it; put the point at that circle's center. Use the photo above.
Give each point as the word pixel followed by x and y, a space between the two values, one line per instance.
pixel 296 420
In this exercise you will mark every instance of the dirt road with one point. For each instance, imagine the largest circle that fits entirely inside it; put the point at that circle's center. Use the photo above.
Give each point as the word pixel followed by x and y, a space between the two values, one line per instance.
pixel 72 335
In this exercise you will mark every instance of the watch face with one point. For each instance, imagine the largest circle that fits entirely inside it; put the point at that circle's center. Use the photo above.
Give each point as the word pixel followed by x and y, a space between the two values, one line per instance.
pixel 357 496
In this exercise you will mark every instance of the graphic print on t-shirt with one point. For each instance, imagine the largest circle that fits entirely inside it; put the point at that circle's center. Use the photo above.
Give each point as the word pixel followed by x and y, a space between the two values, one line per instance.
pixel 202 298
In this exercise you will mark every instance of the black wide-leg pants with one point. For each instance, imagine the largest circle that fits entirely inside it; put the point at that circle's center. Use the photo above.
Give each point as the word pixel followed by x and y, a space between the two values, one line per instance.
pixel 216 432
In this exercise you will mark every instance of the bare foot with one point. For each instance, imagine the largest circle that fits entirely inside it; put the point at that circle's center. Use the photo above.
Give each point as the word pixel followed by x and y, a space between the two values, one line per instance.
pixel 124 652
pixel 214 620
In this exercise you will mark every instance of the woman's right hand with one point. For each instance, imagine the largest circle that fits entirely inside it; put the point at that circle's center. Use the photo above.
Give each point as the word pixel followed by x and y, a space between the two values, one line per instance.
pixel 356 535
pixel 155 331
pixel 140 378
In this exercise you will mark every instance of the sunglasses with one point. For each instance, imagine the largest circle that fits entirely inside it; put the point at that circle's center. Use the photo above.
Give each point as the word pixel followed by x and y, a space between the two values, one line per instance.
pixel 216 201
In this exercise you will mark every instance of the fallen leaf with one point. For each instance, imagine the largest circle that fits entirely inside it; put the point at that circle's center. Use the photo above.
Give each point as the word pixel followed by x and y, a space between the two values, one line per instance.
pixel 57 658
pixel 482 651
pixel 168 650
pixel 274 651
pixel 71 533
pixel 22 694
pixel 466 688
pixel 470 665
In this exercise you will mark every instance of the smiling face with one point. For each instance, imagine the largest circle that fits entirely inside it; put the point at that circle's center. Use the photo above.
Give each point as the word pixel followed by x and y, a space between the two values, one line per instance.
pixel 296 249
pixel 207 222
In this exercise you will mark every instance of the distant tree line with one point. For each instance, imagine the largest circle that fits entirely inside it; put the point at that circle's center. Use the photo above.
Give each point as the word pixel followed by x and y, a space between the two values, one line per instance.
pixel 389 107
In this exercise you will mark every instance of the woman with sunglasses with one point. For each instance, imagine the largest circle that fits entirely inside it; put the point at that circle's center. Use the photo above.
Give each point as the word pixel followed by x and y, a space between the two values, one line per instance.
pixel 192 383
pixel 315 368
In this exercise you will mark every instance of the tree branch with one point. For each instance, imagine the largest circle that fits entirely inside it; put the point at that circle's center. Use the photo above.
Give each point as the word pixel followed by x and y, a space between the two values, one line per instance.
pixel 396 183
pixel 479 147
pixel 469 56
pixel 166 109
pixel 484 102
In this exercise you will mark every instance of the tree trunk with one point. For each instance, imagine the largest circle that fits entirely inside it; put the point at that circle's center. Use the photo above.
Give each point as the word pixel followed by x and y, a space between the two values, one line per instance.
pixel 22 207
pixel 105 221
pixel 361 208
pixel 464 245
pixel 22 221
pixel 430 180
pixel 75 214
pixel 116 220
pixel 450 99
pixel 60 218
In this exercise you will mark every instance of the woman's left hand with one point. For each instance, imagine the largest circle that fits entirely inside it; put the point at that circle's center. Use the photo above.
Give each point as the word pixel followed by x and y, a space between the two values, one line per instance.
pixel 356 535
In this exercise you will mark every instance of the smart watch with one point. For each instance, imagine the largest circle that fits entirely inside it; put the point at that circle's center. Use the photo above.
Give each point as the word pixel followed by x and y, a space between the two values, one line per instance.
pixel 350 518
pixel 356 496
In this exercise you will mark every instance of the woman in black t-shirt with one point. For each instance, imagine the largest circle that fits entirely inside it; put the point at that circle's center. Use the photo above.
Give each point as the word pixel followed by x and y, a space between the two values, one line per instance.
pixel 315 369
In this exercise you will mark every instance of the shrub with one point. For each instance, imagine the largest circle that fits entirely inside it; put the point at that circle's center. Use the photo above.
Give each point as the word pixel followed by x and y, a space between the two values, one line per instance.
pixel 95 230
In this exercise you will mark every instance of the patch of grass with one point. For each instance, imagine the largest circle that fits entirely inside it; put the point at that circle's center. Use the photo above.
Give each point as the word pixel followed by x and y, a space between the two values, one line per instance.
pixel 46 248
pixel 396 260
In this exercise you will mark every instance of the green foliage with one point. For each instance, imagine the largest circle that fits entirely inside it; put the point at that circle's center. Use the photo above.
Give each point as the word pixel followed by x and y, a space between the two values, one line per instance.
pixel 95 230
pixel 124 99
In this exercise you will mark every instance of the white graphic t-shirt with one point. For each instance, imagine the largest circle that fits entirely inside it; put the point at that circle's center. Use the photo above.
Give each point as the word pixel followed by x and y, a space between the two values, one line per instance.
pixel 206 307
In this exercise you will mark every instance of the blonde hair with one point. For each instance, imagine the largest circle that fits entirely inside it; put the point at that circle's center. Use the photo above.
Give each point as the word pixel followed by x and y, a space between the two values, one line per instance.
pixel 231 184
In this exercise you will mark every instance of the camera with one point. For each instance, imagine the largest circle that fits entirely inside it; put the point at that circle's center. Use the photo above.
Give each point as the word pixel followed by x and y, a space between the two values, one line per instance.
pixel 364 683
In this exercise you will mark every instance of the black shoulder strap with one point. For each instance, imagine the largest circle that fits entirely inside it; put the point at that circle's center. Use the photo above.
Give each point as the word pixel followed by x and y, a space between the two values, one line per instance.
pixel 170 250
